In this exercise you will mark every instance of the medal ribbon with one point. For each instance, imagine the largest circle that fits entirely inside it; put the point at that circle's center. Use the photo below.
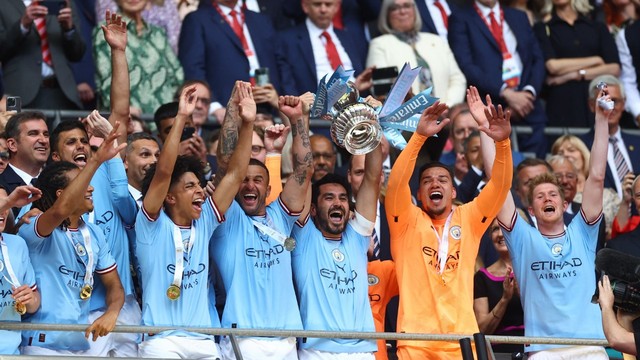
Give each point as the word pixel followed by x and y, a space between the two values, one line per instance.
pixel 272 233
pixel 86 237
pixel 443 242
pixel 177 242
pixel 7 263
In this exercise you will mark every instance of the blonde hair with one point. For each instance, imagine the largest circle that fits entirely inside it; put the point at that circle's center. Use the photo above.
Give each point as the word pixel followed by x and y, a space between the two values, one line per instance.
pixel 581 6
pixel 580 146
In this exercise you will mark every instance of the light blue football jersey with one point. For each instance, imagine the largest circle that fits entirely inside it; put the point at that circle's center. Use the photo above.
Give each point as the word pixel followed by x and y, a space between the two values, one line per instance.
pixel 331 281
pixel 256 270
pixel 556 276
pixel 21 265
pixel 156 255
pixel 114 210
pixel 60 267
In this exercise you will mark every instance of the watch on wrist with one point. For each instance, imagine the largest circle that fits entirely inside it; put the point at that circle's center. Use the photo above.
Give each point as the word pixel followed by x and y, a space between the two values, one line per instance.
pixel 582 73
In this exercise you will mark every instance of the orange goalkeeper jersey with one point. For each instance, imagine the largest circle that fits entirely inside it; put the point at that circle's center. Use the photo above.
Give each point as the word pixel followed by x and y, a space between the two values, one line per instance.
pixel 431 302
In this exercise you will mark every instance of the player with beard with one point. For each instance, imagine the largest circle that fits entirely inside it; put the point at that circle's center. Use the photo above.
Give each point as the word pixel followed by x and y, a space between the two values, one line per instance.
pixel 66 252
pixel 330 263
pixel 249 247
pixel 573 246
pixel 173 230
pixel 435 246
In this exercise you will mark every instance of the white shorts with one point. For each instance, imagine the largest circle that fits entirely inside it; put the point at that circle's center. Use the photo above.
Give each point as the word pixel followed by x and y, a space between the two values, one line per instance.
pixel 260 349
pixel 311 354
pixel 179 347
pixel 118 344
pixel 42 351
pixel 570 353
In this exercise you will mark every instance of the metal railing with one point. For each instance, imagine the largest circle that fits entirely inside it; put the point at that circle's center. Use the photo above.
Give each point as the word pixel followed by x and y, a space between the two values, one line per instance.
pixel 234 333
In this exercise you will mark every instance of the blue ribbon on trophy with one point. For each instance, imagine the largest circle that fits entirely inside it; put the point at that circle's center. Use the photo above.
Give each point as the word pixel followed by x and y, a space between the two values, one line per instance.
pixel 319 107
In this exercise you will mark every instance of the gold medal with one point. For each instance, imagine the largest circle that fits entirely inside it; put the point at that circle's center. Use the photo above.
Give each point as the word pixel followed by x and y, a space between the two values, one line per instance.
pixel 86 291
pixel 20 308
pixel 173 292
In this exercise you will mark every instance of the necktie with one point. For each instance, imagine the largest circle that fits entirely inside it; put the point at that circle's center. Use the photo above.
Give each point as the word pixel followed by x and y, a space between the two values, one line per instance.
pixel 621 164
pixel 332 51
pixel 376 244
pixel 496 31
pixel 235 24
pixel 443 13
pixel 41 26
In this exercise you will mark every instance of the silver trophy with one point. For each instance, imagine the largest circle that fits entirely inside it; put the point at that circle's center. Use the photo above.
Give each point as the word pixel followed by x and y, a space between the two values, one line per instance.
pixel 355 125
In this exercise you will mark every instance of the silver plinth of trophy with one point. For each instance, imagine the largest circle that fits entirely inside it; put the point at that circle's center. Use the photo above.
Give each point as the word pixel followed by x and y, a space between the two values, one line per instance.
pixel 355 124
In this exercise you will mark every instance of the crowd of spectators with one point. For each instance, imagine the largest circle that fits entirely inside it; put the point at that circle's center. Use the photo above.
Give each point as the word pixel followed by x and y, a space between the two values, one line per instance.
pixel 454 234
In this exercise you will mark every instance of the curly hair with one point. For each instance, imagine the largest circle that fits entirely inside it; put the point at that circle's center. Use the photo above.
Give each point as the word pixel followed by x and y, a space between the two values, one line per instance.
pixel 184 164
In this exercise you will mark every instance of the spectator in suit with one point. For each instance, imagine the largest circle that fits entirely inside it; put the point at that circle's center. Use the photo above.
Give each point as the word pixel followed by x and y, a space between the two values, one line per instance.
pixel 35 69
pixel 28 143
pixel 403 42
pixel 624 149
pixel 316 48
pixel 462 125
pixel 505 62
pixel 222 42
pixel 576 50
pixel 84 70
pixel 435 15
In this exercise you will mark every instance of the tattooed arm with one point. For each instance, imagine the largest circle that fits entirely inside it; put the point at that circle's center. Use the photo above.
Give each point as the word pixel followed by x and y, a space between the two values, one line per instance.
pixel 228 135
pixel 294 191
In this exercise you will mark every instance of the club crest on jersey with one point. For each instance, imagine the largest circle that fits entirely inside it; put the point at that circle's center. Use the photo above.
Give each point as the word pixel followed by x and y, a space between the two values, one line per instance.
pixel 373 280
pixel 456 232
pixel 337 255
pixel 556 249
pixel 80 250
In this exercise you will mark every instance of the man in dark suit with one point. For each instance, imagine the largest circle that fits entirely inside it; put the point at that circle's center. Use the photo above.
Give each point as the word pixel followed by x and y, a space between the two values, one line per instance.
pixel 505 62
pixel 435 15
pixel 35 50
pixel 28 144
pixel 627 146
pixel 306 50
pixel 222 42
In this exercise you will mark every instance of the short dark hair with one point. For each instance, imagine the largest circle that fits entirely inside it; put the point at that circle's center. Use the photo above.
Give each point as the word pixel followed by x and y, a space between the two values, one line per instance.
pixel 64 127
pixel 184 164
pixel 12 129
pixel 434 164
pixel 165 111
pixel 257 162
pixel 330 179
pixel 529 162
pixel 139 136
pixel 465 142
pixel 52 178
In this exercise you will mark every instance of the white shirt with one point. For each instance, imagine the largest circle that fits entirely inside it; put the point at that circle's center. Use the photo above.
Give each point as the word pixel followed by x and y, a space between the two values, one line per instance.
pixel 436 16
pixel 253 59
pixel 323 66
pixel 136 194
pixel 612 163
pixel 252 5
pixel 508 35
pixel 628 76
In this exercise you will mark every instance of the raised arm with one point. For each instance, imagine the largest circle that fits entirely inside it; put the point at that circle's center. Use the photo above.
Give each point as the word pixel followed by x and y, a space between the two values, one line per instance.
pixel 293 193
pixel 154 197
pixel 592 198
pixel 228 136
pixel 21 196
pixel 115 33
pixel 239 162
pixel 367 198
pixel 67 202
pixel 398 196
pixel 486 117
